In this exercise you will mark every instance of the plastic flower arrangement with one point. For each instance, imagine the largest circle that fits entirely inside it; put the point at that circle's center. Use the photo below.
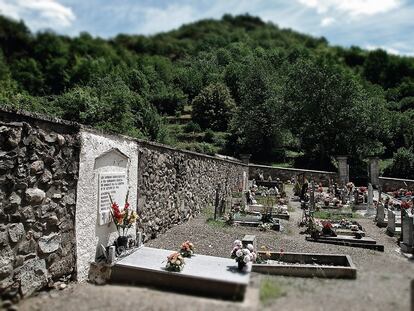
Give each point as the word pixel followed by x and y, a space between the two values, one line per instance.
pixel 265 226
pixel 123 218
pixel 242 255
pixel 263 256
pixel 405 205
pixel 187 249
pixel 175 262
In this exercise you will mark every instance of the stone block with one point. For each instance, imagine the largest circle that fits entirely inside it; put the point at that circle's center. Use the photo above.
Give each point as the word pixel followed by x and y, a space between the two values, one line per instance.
pixel 35 196
pixel 32 276
pixel 37 167
pixel 49 244
pixel 16 232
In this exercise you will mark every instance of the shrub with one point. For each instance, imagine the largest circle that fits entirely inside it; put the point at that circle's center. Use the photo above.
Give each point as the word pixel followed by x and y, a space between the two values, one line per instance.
pixel 192 127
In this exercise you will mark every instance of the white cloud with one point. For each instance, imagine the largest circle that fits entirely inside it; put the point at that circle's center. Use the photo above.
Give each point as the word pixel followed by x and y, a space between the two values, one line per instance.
pixel 39 13
pixel 388 49
pixel 327 21
pixel 353 7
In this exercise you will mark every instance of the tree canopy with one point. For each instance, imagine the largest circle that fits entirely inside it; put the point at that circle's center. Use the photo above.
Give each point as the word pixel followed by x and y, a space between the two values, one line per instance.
pixel 257 88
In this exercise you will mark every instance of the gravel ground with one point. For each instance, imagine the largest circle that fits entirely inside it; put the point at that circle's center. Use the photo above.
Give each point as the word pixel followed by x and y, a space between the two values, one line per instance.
pixel 383 279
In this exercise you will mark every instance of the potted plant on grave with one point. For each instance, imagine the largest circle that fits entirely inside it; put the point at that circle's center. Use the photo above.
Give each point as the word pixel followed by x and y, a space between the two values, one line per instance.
pixel 327 229
pixel 187 249
pixel 242 255
pixel 175 262
pixel 263 256
pixel 123 219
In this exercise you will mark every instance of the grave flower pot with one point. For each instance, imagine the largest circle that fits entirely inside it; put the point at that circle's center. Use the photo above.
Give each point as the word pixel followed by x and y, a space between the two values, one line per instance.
pixel 122 241
pixel 240 265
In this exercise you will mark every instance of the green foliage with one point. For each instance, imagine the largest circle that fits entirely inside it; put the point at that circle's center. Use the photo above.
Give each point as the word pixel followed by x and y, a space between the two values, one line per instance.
pixel 402 165
pixel 213 107
pixel 258 89
pixel 192 127
pixel 328 109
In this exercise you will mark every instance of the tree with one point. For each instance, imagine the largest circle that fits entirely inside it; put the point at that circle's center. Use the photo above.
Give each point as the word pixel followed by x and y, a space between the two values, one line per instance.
pixel 213 107
pixel 327 108
pixel 256 124
pixel 402 165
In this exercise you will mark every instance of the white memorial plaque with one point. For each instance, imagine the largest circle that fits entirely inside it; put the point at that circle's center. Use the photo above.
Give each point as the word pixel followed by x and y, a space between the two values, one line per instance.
pixel 116 185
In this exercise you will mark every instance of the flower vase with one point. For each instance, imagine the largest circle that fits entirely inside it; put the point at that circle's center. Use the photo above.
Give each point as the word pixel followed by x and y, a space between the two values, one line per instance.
pixel 122 241
pixel 240 265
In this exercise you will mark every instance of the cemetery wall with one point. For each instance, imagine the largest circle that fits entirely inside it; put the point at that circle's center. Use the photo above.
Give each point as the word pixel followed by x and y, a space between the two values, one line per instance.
pixel 168 186
pixel 391 184
pixel 51 224
pixel 285 174
pixel 38 181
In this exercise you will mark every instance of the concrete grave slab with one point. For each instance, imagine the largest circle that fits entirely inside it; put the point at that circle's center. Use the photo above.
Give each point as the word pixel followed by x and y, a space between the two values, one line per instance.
pixel 308 265
pixel 365 242
pixel 202 275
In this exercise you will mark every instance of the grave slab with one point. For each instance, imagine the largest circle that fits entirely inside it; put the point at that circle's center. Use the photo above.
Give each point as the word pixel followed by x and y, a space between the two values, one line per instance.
pixel 308 265
pixel 350 242
pixel 202 275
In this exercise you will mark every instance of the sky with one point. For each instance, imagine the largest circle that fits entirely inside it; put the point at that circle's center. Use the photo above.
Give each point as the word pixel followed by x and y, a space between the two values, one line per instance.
pixel 370 24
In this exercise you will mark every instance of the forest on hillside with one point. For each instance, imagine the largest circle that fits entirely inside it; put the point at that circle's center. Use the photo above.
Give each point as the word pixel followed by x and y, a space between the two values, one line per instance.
pixel 229 86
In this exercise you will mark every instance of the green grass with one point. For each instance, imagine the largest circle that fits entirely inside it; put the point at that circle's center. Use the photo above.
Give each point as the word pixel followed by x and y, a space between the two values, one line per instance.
pixel 333 215
pixel 216 223
pixel 237 195
pixel 270 290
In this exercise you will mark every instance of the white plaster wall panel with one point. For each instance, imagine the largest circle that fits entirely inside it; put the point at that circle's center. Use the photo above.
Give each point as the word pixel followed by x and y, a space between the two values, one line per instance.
pixel 89 234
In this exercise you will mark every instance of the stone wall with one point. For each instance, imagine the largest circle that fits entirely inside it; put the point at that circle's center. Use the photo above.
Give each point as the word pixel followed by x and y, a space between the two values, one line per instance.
pixel 166 185
pixel 49 171
pixel 174 186
pixel 286 174
pixel 38 182
pixel 391 184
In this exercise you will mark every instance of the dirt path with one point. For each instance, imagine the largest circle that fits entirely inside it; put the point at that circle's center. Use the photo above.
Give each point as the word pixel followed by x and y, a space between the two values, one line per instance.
pixel 382 283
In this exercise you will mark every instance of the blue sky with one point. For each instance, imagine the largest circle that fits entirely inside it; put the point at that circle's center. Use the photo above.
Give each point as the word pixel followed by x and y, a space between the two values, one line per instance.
pixel 371 24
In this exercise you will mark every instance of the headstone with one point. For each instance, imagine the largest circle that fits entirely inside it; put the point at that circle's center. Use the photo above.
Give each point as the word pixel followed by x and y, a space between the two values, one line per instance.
pixel 312 196
pixel 139 239
pixel 394 222
pixel 111 185
pixel 407 233
pixel 382 215
pixel 370 196
pixel 249 239
pixel 343 170
pixel 111 254
pixel 373 170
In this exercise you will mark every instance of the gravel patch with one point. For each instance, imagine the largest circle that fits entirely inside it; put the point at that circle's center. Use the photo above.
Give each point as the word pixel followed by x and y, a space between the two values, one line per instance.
pixel 383 279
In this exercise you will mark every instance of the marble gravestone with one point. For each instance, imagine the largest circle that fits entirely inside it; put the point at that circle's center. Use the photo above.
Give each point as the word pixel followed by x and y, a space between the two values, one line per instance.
pixel 407 233
pixel 382 215
pixel 107 166
pixel 112 185
pixel 394 222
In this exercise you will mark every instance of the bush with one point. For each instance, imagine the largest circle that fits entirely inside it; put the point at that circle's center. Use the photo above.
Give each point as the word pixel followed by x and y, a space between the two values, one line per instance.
pixel 209 136
pixel 213 107
pixel 402 165
pixel 192 127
